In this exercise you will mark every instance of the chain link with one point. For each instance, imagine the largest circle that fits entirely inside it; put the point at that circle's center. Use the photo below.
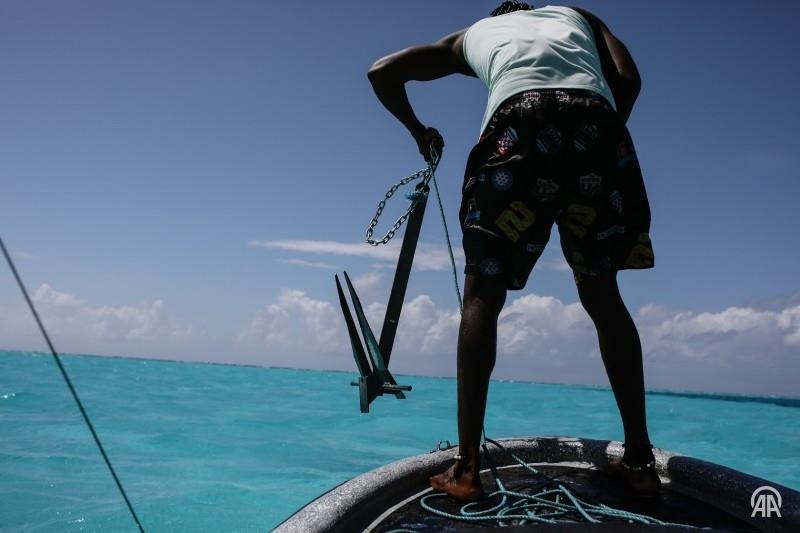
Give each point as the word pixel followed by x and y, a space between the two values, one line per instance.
pixel 426 174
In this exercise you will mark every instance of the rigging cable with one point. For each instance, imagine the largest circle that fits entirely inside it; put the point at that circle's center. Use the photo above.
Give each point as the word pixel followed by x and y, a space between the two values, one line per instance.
pixel 64 374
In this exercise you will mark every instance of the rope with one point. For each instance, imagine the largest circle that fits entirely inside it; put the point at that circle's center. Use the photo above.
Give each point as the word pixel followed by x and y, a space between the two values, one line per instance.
pixel 552 504
pixel 64 374
pixel 449 244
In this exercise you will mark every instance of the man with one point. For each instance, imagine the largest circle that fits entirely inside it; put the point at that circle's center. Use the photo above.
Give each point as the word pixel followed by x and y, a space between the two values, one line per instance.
pixel 553 149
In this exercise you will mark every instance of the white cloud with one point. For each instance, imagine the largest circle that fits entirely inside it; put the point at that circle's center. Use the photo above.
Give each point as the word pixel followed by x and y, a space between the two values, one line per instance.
pixel 69 316
pixel 330 247
pixel 541 338
pixel 77 326
pixel 708 334
pixel 738 349
pixel 427 257
pixel 145 322
pixel 426 336
pixel 426 330
pixel 302 262
pixel 47 295
pixel 538 317
pixel 559 265
pixel 294 329
pixel 789 321
pixel 370 286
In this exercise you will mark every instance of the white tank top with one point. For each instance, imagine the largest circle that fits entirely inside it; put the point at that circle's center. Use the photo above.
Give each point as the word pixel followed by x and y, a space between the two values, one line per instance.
pixel 550 47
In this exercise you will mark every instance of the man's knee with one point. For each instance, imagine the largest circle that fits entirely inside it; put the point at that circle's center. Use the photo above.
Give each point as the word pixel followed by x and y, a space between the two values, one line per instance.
pixel 489 291
pixel 598 294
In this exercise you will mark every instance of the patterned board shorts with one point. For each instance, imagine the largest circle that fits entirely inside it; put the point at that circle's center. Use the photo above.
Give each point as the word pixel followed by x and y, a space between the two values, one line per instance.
pixel 558 156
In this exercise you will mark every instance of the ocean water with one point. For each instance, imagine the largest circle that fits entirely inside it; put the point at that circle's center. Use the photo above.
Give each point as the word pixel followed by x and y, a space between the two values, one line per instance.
pixel 218 448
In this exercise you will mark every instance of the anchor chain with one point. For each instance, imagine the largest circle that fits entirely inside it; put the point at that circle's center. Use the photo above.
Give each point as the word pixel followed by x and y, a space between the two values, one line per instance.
pixel 426 174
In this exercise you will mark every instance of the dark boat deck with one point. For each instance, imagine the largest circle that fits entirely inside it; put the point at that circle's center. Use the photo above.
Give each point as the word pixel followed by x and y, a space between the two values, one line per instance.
pixel 590 485
pixel 696 493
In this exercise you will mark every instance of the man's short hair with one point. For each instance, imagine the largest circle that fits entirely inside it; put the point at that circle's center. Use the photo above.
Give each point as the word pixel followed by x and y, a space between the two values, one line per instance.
pixel 509 7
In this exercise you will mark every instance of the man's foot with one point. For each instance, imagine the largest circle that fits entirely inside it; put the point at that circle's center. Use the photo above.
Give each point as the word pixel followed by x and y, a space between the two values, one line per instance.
pixel 459 483
pixel 642 478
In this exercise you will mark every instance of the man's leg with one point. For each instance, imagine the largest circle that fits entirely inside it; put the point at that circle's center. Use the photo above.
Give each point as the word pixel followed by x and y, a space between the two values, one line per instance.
pixel 477 346
pixel 621 351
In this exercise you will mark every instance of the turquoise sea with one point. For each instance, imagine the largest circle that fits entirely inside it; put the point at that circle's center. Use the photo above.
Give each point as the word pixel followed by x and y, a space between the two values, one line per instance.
pixel 219 448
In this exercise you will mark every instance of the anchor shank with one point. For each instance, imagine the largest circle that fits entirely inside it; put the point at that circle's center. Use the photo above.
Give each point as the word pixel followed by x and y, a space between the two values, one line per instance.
pixel 402 273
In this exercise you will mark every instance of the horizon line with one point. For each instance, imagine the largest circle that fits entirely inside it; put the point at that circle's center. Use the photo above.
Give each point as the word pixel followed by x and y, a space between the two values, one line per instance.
pixel 784 401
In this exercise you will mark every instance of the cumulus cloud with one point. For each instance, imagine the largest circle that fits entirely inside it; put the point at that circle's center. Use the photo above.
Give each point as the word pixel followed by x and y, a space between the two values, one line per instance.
pixel 296 329
pixel 427 257
pixel 704 335
pixel 424 331
pixel 789 321
pixel 47 295
pixel 69 315
pixel 79 326
pixel 531 319
pixel 738 349
pixel 370 285
pixel 541 338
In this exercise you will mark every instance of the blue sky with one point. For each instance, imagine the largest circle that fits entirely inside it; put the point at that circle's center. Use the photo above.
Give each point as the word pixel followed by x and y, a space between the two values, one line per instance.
pixel 182 179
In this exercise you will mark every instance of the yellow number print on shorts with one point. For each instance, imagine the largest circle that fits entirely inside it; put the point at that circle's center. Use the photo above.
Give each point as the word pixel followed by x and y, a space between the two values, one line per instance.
pixel 641 255
pixel 515 219
pixel 579 218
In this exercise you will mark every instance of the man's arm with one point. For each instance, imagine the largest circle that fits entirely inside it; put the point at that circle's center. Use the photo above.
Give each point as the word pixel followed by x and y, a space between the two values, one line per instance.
pixel 619 68
pixel 389 75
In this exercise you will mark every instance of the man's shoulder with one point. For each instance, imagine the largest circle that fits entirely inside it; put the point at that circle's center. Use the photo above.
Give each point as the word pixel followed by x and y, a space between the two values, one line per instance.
pixel 588 15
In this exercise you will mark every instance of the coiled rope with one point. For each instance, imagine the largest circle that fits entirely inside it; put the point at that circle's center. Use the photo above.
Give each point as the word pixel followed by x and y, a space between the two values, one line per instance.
pixel 553 503
pixel 64 374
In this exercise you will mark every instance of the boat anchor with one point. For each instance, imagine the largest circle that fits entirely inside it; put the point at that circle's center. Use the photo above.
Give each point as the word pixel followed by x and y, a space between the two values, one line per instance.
pixel 375 379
